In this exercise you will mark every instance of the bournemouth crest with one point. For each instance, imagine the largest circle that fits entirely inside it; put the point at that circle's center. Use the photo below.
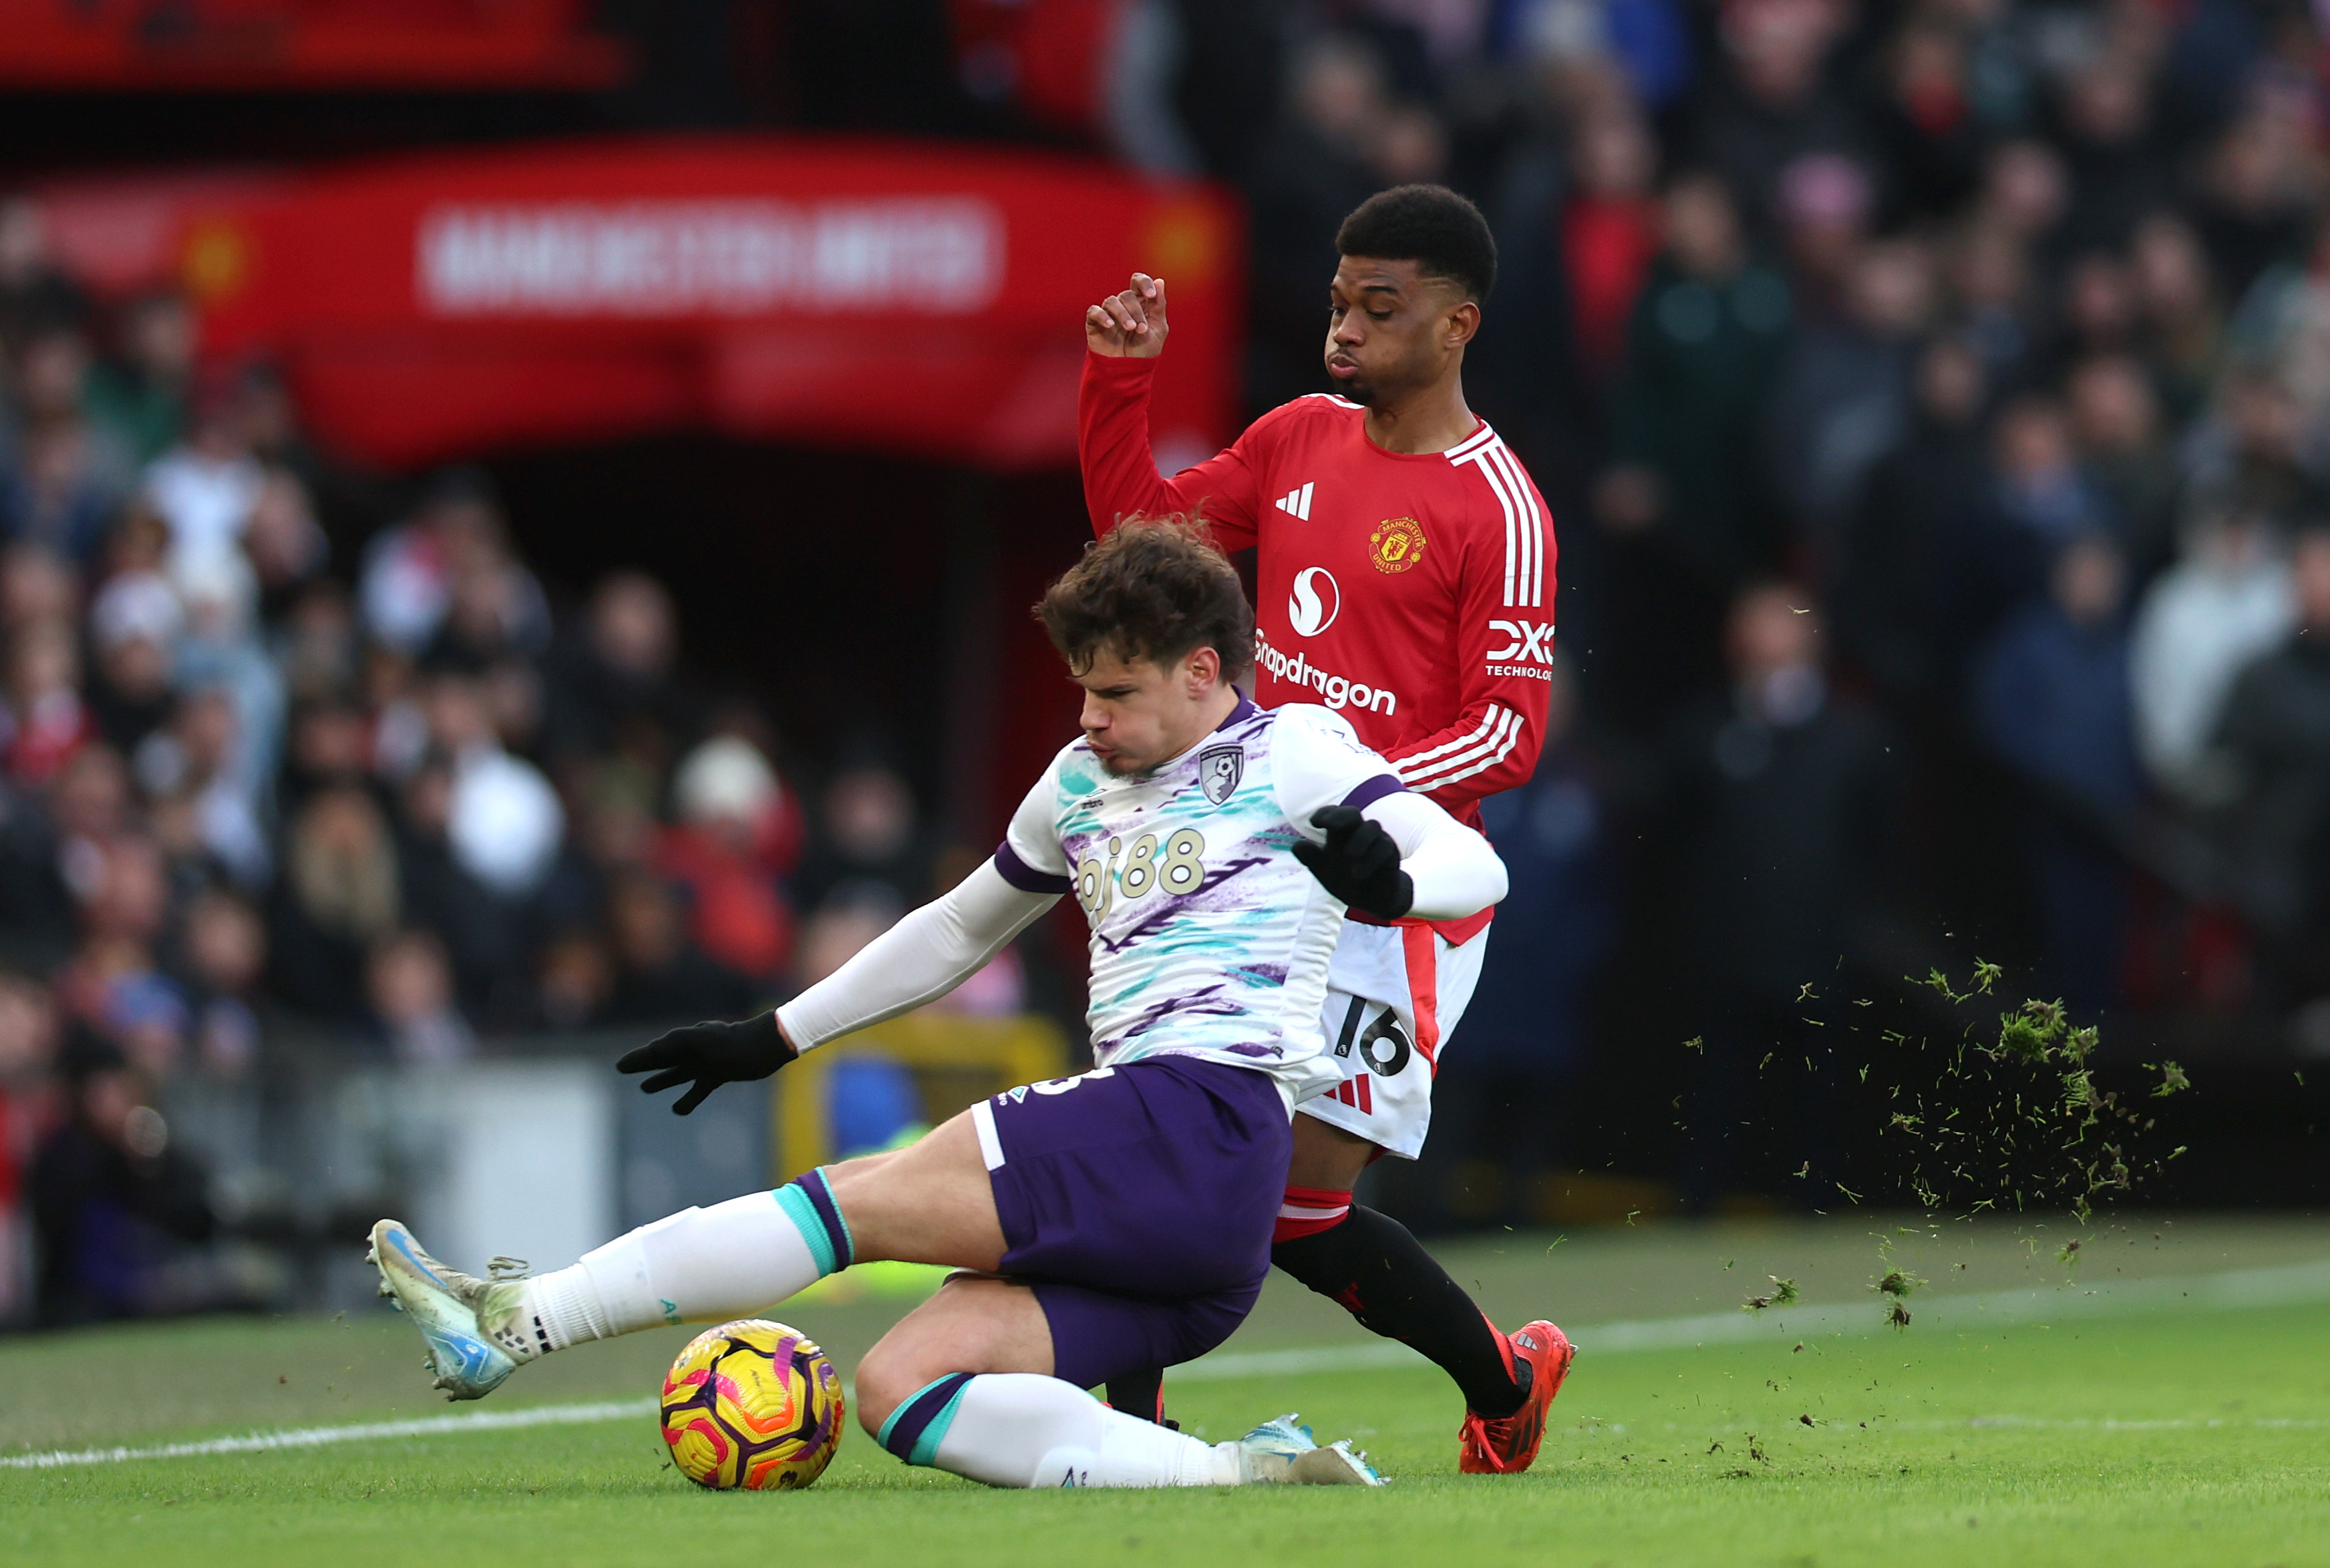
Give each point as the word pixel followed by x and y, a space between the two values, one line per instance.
pixel 1396 544
pixel 1219 769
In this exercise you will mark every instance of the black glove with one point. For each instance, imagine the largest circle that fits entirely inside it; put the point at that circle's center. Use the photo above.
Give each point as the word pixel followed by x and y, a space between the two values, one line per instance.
pixel 1358 863
pixel 710 1054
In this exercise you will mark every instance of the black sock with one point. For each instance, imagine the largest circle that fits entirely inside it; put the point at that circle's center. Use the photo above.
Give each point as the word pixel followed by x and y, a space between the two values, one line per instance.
pixel 1370 1265
pixel 1140 1393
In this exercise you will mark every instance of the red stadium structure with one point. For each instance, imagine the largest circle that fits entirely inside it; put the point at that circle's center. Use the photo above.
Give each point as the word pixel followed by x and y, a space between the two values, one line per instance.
pixel 881 295
pixel 885 297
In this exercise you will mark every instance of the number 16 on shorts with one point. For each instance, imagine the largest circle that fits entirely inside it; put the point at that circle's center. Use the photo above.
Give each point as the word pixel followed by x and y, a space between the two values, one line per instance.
pixel 1394 995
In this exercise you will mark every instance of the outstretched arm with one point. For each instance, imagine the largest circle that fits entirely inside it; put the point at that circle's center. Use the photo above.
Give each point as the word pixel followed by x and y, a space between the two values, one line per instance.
pixel 1124 335
pixel 922 957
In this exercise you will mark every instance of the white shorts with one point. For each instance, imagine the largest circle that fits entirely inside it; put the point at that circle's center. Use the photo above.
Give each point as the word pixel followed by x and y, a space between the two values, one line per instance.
pixel 1394 994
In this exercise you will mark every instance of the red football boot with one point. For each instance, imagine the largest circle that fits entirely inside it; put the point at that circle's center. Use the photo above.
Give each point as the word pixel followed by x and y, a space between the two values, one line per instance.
pixel 1507 1445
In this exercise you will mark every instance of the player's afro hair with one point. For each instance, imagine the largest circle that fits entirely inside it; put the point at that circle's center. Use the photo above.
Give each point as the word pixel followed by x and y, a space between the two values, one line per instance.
pixel 1154 588
pixel 1430 226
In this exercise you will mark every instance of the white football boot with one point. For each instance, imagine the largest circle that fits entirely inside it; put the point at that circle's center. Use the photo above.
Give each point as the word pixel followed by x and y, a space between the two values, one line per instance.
pixel 471 1324
pixel 1283 1451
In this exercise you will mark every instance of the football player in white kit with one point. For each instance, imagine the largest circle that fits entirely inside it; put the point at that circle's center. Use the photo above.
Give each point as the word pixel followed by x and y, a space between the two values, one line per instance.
pixel 1103 1223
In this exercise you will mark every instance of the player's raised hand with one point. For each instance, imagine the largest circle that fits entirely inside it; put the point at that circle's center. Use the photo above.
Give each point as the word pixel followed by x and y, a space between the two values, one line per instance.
pixel 1358 863
pixel 1131 325
pixel 707 1055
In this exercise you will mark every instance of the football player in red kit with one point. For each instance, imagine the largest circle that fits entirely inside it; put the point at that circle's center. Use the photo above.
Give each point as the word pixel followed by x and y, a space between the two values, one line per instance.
pixel 1404 577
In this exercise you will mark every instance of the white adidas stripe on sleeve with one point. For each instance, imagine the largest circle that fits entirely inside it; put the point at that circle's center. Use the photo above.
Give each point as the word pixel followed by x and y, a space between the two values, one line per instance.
pixel 1477 760
pixel 1524 518
pixel 1422 758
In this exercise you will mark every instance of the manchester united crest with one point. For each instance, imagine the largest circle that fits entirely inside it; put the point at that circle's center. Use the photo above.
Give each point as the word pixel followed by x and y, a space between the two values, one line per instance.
pixel 1396 544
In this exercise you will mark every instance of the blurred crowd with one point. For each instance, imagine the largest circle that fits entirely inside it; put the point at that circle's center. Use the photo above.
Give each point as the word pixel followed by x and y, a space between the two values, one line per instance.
pixel 271 789
pixel 1934 401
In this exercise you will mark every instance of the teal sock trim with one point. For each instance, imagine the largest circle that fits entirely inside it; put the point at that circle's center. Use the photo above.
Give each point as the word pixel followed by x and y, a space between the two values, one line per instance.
pixel 848 1241
pixel 925 1452
pixel 803 1213
pixel 905 1405
pixel 926 1447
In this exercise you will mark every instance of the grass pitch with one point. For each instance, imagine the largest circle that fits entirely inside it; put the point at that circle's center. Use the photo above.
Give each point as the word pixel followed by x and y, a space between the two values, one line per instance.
pixel 2128 1415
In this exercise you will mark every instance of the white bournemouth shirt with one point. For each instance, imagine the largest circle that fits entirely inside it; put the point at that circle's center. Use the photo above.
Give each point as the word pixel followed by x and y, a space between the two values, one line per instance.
pixel 1208 938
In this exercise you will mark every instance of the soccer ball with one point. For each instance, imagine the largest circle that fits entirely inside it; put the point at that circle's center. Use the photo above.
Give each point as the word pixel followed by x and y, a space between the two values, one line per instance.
pixel 752 1404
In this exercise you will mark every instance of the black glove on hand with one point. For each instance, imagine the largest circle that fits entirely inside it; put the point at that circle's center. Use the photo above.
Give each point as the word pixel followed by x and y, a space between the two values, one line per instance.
pixel 1358 863
pixel 709 1055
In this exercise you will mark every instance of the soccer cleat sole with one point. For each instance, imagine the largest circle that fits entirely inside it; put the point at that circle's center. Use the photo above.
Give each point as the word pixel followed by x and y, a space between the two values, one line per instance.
pixel 1336 1465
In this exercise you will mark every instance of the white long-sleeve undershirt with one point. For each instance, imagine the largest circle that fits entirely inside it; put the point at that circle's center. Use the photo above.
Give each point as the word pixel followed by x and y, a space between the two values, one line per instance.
pixel 946 941
pixel 1454 870
pixel 920 959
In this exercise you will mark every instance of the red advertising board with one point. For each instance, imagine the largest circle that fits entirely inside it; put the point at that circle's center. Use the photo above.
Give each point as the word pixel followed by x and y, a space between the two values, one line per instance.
pixel 916 297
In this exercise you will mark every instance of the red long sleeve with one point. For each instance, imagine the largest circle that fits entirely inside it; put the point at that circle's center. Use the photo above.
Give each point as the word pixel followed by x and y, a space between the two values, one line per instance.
pixel 1120 471
pixel 1504 659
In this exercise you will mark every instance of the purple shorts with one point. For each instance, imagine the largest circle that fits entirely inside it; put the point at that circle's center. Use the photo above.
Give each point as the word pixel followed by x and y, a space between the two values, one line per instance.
pixel 1137 1201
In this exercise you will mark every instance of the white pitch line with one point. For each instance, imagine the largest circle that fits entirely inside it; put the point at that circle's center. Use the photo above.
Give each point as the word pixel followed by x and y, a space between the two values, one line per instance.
pixel 2301 1283
pixel 2117 1423
pixel 315 1437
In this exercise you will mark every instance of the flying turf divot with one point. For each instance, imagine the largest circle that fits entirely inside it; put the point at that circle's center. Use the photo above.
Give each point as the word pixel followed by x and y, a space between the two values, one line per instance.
pixel 2286 1285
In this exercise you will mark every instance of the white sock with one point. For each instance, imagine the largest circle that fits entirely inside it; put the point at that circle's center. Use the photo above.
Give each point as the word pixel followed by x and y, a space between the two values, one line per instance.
pixel 697 1266
pixel 1018 1429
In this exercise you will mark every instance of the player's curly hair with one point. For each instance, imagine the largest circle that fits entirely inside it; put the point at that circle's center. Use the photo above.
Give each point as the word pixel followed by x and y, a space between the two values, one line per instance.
pixel 1430 226
pixel 1156 589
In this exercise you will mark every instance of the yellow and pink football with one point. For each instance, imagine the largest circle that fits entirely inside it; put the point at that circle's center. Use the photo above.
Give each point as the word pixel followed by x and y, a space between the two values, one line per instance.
pixel 752 1404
